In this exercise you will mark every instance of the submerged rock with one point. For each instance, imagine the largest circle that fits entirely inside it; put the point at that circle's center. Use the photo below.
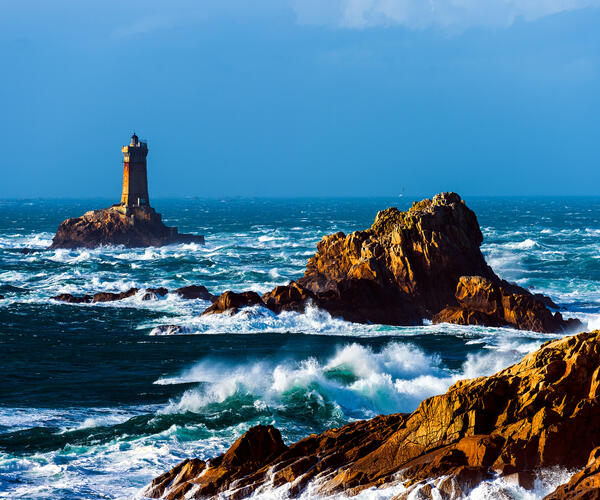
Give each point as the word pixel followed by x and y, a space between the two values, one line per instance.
pixel 543 411
pixel 134 227
pixel 155 293
pixel 188 292
pixel 422 263
pixel 169 330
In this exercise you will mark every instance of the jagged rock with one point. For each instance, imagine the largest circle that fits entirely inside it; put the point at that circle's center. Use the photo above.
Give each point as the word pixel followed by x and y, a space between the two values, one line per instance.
pixel 543 411
pixel 292 297
pixel 155 293
pixel 180 475
pixel 195 292
pixel 232 302
pixel 420 253
pixel 585 485
pixel 140 227
pixel 422 263
pixel 482 301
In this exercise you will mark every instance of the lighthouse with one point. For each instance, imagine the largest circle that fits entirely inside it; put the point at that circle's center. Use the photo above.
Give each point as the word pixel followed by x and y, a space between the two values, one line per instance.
pixel 135 177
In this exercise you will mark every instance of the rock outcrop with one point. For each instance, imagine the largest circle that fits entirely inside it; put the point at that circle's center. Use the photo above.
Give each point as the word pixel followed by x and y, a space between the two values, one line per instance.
pixel 543 411
pixel 138 227
pixel 187 292
pixel 482 301
pixel 97 297
pixel 424 263
pixel 195 292
pixel 232 302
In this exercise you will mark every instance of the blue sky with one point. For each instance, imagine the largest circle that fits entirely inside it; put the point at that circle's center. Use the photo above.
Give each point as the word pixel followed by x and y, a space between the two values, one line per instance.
pixel 301 97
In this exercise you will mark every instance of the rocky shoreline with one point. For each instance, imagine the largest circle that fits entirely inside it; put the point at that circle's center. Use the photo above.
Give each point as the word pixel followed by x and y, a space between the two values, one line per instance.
pixel 541 412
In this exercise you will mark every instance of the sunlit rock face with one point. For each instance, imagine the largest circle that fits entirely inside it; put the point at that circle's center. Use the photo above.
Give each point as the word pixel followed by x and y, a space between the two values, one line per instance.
pixel 543 411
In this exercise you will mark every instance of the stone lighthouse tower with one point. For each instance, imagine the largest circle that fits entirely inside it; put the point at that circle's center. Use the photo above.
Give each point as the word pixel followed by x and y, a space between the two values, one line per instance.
pixel 135 177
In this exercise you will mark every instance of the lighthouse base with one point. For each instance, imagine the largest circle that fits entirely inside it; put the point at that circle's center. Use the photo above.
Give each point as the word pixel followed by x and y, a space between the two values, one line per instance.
pixel 139 226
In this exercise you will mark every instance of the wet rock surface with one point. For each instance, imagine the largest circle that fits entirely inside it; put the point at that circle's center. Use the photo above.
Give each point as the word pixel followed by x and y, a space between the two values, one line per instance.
pixel 543 411
pixel 585 485
pixel 189 292
pixel 143 227
pixel 232 302
pixel 195 292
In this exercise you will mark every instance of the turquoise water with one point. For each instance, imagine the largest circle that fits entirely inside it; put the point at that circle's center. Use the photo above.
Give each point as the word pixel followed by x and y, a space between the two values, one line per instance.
pixel 93 403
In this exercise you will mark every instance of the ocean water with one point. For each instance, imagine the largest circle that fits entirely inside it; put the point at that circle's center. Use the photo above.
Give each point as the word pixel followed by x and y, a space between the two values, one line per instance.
pixel 94 403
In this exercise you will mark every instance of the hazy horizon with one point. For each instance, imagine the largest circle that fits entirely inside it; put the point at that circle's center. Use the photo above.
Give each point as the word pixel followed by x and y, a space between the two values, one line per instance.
pixel 296 99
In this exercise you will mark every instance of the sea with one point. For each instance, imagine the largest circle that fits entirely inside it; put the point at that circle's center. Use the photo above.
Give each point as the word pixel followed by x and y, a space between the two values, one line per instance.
pixel 95 401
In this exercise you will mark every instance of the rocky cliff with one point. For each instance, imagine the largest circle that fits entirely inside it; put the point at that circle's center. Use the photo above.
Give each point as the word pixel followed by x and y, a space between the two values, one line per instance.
pixel 422 263
pixel 543 411
pixel 140 227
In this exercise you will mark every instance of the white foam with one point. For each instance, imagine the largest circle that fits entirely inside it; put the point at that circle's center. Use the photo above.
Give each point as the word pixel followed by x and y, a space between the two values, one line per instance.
pixel 361 381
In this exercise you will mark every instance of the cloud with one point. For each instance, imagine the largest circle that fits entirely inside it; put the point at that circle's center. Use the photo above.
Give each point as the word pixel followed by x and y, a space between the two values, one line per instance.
pixel 419 14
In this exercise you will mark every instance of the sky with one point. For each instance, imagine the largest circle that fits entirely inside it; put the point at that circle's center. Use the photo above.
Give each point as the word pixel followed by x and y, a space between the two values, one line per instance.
pixel 301 97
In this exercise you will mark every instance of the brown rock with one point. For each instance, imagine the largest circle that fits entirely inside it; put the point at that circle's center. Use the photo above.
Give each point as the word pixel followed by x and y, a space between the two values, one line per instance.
pixel 232 302
pixel 292 297
pixel 494 302
pixel 420 254
pixel 111 297
pixel 422 263
pixel 195 292
pixel 73 299
pixel 143 227
pixel 155 293
pixel 543 411
pixel 97 297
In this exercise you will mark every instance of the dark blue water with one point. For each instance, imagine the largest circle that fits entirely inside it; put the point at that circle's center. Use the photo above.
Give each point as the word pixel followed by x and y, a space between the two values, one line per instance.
pixel 93 403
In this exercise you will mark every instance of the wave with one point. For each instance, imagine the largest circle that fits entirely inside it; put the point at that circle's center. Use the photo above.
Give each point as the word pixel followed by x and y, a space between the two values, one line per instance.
pixel 356 382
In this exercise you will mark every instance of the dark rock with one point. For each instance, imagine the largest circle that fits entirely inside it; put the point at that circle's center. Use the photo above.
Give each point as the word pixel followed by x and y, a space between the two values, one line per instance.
pixel 547 301
pixel 1 297
pixel 140 227
pixel 584 485
pixel 196 292
pixel 232 302
pixel 28 251
pixel 111 297
pixel 97 297
pixel 73 299
pixel 541 412
pixel 155 293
